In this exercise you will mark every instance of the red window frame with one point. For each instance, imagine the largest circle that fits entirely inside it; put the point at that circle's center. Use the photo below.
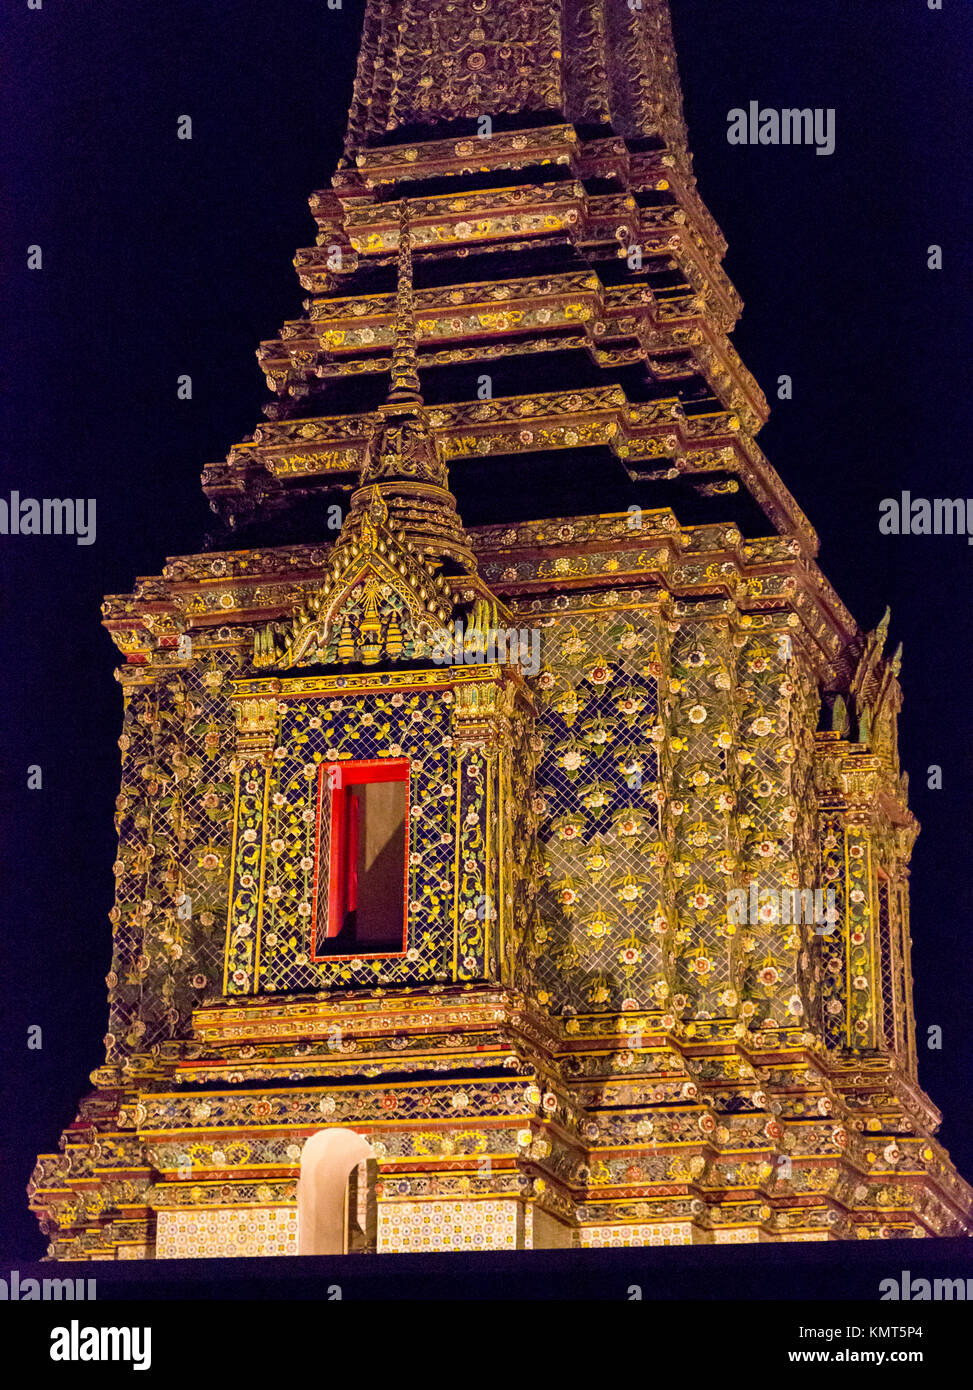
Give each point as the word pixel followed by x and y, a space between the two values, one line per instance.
pixel 343 849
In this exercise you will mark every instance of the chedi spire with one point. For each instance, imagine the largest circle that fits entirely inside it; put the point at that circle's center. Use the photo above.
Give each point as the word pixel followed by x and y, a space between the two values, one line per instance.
pixel 403 459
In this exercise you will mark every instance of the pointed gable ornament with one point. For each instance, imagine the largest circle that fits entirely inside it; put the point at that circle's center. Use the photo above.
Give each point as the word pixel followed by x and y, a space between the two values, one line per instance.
pixel 382 601
pixel 385 598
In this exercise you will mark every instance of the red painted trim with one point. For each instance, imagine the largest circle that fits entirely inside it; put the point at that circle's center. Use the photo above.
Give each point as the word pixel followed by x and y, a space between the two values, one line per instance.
pixel 337 861
pixel 377 770
pixel 317 864
pixel 352 824
pixel 353 774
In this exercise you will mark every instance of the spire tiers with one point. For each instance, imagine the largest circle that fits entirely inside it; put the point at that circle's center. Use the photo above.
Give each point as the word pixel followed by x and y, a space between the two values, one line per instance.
pixel 403 463
pixel 426 515
pixel 574 244
pixel 598 63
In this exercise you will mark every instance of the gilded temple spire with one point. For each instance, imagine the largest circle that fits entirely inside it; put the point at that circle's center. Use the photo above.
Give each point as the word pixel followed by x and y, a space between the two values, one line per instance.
pixel 600 727
pixel 403 458
pixel 405 388
pixel 599 63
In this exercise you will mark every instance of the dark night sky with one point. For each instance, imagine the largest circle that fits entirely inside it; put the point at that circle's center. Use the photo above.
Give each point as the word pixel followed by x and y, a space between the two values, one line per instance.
pixel 163 257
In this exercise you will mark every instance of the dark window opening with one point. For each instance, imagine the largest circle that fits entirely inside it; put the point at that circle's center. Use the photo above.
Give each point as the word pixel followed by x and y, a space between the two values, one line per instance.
pixel 360 902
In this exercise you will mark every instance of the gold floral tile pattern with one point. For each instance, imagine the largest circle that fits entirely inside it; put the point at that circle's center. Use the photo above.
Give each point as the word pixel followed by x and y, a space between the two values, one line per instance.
pixel 647 1233
pixel 219 1234
pixel 174 818
pixel 412 1227
pixel 605 910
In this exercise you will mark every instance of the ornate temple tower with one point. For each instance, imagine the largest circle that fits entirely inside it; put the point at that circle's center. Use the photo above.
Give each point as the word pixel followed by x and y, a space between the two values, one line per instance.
pixel 458 859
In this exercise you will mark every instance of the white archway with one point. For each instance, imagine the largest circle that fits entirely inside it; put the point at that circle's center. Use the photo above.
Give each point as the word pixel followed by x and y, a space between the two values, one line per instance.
pixel 322 1189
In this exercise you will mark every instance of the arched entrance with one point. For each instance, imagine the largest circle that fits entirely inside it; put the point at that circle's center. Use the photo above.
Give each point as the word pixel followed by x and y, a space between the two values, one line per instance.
pixel 327 1159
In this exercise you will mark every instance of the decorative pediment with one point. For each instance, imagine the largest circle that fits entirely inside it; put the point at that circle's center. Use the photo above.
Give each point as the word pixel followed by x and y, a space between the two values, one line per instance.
pixel 868 711
pixel 381 602
pixel 385 596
